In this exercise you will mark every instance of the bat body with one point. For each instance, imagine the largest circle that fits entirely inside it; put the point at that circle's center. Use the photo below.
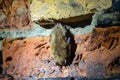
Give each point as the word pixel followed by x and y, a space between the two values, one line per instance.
pixel 60 45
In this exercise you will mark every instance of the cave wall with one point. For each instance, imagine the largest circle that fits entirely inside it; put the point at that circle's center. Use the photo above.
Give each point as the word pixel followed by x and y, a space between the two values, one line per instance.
pixel 25 26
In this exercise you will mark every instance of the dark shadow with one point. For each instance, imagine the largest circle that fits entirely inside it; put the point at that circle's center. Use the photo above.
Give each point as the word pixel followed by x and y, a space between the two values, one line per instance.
pixel 72 78
pixel 81 24
pixel 116 5
pixel 114 63
pixel 1 38
pixel 73 47
pixel 107 25
pixel 44 25
pixel 1 62
pixel 49 24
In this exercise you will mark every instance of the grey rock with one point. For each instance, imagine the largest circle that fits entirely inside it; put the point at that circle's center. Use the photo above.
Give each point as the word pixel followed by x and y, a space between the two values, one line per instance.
pixel 106 18
pixel 116 4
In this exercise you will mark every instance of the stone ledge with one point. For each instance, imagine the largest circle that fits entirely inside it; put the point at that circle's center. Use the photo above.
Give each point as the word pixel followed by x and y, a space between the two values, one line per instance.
pixel 59 9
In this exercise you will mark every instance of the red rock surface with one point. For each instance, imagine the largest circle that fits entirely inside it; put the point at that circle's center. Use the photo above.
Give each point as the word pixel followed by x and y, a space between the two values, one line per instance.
pixel 15 14
pixel 97 55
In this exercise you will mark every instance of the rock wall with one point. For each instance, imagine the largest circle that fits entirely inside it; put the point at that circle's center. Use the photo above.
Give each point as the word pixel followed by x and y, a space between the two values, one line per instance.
pixel 97 51
pixel 65 8
pixel 15 14
pixel 25 26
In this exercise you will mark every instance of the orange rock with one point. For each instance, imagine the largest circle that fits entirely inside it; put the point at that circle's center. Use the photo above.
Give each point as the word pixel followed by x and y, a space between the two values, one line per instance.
pixel 31 56
pixel 15 14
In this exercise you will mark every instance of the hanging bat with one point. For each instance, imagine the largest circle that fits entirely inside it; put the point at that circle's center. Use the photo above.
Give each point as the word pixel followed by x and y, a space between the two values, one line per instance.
pixel 60 44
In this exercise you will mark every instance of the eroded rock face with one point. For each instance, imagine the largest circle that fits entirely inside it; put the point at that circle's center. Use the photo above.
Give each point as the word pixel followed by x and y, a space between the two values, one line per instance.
pixel 96 56
pixel 58 9
pixel 15 14
pixel 20 14
pixel 106 18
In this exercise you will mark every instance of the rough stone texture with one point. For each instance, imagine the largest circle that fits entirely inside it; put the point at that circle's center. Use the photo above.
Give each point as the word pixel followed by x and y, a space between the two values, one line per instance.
pixel 15 14
pixel 106 18
pixel 68 21
pixel 38 30
pixel 1 61
pixel 6 77
pixel 97 53
pixel 35 31
pixel 96 56
pixel 116 5
pixel 58 9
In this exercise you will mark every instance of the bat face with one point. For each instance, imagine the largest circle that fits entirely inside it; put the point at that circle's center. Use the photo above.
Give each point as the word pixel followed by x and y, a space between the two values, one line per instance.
pixel 59 44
